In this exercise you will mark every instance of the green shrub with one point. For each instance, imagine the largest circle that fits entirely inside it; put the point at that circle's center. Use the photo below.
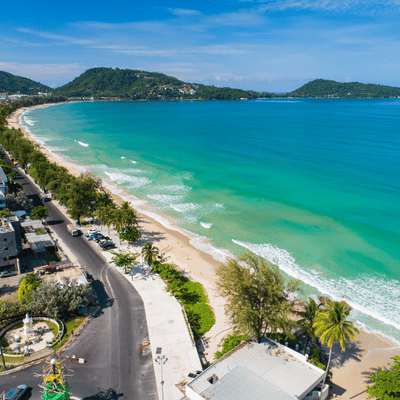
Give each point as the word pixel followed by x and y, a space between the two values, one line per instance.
pixel 201 318
pixel 230 343
pixel 191 295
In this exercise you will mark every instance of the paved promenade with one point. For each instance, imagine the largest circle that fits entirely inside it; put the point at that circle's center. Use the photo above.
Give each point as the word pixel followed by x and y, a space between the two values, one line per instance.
pixel 167 330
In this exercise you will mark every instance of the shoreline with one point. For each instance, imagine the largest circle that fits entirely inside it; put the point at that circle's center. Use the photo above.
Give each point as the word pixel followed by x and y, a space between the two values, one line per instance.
pixel 362 356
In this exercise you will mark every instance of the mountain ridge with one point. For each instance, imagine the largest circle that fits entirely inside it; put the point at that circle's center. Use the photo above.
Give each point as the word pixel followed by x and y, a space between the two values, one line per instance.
pixel 127 84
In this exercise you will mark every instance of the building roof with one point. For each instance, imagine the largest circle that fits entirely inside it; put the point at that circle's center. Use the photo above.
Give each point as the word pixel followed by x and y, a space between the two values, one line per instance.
pixel 253 369
pixel 3 176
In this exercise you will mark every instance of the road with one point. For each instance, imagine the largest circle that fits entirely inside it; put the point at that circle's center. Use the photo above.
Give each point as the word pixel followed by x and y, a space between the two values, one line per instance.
pixel 115 367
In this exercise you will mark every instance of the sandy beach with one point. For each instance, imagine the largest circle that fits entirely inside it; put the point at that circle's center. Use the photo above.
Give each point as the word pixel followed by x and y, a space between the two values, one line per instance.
pixel 351 369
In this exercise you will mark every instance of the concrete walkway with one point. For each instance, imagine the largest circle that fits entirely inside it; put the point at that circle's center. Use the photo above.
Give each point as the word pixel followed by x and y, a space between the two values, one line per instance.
pixel 167 330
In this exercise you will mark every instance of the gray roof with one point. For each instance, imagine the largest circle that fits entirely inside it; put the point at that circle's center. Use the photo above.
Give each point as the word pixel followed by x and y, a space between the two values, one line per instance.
pixel 255 368
pixel 3 176
pixel 241 383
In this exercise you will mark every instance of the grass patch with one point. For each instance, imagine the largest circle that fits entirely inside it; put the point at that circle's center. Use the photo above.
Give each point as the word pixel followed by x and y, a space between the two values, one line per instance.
pixel 70 327
pixel 13 360
pixel 191 295
pixel 53 327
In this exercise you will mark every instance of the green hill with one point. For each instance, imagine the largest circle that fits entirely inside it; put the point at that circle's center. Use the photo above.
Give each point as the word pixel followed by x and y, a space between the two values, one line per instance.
pixel 142 85
pixel 325 88
pixel 12 84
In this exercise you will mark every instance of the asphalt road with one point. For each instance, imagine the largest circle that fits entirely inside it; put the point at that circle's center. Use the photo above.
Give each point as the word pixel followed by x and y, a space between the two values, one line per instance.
pixel 115 368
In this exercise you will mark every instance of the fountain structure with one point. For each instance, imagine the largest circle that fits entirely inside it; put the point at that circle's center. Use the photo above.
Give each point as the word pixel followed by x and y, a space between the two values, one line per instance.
pixel 28 327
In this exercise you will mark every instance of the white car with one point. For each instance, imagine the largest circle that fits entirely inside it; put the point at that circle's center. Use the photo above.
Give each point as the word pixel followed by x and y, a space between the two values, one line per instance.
pixel 17 393
pixel 93 230
pixel 6 274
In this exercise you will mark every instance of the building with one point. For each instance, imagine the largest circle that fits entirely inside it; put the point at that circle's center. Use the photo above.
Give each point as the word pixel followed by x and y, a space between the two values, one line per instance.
pixel 36 236
pixel 3 188
pixel 259 371
pixel 10 243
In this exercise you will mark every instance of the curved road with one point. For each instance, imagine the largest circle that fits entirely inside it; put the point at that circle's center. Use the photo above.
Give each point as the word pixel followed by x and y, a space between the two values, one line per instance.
pixel 114 367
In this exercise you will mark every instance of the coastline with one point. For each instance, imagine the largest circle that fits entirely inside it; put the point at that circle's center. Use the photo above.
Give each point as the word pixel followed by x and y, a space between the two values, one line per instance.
pixel 350 370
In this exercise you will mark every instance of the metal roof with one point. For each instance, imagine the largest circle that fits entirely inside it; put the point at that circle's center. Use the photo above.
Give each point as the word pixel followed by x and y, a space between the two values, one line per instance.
pixel 3 176
pixel 283 372
pixel 241 383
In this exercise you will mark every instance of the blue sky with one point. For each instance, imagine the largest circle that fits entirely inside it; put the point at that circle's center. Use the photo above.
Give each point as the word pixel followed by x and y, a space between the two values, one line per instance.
pixel 269 45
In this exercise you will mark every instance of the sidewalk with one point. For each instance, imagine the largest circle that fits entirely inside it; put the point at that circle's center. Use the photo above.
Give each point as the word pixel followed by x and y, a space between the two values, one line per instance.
pixel 167 330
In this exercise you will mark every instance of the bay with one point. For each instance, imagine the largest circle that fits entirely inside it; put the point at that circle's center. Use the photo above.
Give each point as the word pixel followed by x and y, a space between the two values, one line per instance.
pixel 310 184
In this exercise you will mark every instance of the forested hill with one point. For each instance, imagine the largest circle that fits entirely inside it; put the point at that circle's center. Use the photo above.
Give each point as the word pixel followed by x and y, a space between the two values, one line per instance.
pixel 12 84
pixel 326 88
pixel 142 85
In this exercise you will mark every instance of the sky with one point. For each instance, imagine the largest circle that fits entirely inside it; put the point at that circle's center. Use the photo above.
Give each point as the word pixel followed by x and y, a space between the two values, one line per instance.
pixel 263 45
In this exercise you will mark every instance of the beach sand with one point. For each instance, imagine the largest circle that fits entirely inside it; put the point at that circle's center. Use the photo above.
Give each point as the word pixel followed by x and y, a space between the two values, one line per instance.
pixel 351 370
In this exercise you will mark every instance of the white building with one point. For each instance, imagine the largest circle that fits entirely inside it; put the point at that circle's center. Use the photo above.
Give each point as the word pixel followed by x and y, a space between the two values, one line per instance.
pixel 3 188
pixel 259 371
pixel 10 243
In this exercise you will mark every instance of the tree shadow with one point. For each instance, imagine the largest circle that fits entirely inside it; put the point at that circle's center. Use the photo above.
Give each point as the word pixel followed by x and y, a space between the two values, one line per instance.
pixel 353 352
pixel 55 222
pixel 105 300
pixel 105 394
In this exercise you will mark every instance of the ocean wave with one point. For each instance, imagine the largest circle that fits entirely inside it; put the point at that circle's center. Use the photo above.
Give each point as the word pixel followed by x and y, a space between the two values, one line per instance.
pixel 133 162
pixel 174 188
pixel 206 225
pixel 218 205
pixel 185 207
pixel 372 295
pixel 29 121
pixel 81 143
pixel 164 198
pixel 123 158
pixel 129 180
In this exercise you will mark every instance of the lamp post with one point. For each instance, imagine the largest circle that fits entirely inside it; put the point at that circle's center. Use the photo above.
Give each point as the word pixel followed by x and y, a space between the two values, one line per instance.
pixel 161 359
pixel 93 203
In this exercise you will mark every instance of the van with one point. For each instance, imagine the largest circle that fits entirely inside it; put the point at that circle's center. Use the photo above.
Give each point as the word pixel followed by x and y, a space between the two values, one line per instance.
pixel 72 230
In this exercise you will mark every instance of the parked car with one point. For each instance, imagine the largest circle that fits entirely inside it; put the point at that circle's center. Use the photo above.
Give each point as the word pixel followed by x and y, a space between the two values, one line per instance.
pixel 93 230
pixel 97 236
pixel 17 393
pixel 107 246
pixel 6 274
pixel 87 236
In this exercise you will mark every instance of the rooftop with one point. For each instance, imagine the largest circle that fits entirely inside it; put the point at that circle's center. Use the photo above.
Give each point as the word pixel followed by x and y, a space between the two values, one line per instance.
pixel 3 176
pixel 252 369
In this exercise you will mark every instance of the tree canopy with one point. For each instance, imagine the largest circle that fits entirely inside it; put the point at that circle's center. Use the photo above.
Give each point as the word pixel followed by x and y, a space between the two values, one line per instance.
pixel 386 382
pixel 258 298
pixel 28 285
pixel 39 212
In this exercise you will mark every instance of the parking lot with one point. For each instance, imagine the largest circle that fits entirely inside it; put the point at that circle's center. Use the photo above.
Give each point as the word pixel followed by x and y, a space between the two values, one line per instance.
pixel 9 287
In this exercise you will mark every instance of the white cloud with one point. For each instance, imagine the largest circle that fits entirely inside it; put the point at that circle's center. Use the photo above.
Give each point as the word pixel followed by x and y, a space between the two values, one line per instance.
pixel 184 12
pixel 370 6
pixel 52 36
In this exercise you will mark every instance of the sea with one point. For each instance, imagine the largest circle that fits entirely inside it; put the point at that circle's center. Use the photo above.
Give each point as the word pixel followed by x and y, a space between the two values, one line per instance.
pixel 312 185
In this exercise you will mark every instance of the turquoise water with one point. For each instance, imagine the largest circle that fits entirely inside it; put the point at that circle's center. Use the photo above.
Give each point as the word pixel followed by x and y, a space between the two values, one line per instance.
pixel 312 185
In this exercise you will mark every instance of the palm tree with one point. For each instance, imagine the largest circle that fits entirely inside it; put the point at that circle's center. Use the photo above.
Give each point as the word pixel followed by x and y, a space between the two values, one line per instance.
pixel 311 309
pixel 332 324
pixel 150 253
pixel 118 220
pixel 105 215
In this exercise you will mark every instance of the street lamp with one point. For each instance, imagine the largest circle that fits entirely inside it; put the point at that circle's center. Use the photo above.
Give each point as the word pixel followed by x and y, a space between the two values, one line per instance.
pixel 93 203
pixel 161 359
